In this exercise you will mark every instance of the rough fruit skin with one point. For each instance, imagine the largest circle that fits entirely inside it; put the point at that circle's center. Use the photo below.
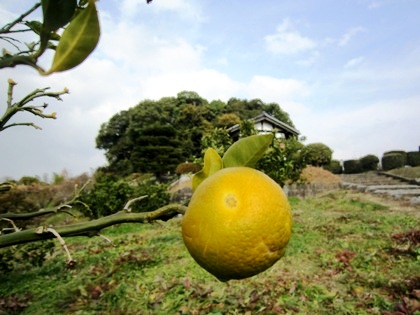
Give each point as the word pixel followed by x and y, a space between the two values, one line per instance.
pixel 237 223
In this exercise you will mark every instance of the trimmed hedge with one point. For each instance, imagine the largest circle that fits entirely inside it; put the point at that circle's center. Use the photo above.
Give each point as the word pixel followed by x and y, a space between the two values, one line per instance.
pixel 369 162
pixel 334 167
pixel 392 160
pixel 401 152
pixel 352 167
pixel 413 158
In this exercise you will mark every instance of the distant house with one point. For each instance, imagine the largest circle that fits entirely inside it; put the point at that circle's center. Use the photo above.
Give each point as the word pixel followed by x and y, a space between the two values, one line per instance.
pixel 265 123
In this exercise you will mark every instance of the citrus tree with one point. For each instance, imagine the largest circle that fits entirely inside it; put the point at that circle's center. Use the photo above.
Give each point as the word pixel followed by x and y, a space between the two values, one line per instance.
pixel 238 222
pixel 70 29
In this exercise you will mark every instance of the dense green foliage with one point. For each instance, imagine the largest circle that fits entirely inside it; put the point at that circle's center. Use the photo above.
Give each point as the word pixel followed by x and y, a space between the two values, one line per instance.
pixel 413 158
pixel 369 162
pixel 348 255
pixel 155 136
pixel 317 154
pixel 109 194
pixel 352 167
pixel 334 167
pixel 392 160
pixel 283 161
pixel 400 152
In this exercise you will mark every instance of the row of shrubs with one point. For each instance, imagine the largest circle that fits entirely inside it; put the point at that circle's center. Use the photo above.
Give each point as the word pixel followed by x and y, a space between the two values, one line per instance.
pixel 390 160
pixel 396 159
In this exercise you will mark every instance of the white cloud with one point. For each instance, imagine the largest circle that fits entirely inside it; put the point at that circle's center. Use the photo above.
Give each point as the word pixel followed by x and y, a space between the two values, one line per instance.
pixel 354 62
pixel 345 39
pixel 208 83
pixel 139 49
pixel 287 40
pixel 276 89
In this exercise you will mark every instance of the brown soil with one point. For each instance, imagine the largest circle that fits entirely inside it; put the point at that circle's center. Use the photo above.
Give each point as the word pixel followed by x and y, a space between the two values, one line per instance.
pixel 317 175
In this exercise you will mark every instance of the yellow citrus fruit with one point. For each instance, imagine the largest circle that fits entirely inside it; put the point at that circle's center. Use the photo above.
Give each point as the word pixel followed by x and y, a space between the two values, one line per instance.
pixel 237 223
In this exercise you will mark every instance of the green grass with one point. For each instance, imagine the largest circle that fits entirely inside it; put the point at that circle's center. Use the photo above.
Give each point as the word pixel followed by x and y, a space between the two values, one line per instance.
pixel 407 172
pixel 342 259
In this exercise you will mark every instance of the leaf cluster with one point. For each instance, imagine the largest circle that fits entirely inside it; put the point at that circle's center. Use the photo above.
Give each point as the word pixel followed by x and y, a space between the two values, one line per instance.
pixel 79 22
pixel 244 152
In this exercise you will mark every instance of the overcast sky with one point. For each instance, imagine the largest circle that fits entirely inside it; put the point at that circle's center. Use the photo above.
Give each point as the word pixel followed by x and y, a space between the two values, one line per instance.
pixel 347 72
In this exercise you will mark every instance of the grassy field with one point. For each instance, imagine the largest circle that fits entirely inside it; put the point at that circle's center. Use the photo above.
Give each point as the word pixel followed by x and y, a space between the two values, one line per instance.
pixel 408 172
pixel 349 254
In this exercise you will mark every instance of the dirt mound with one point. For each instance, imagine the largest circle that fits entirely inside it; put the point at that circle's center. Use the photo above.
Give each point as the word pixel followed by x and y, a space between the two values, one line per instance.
pixel 317 175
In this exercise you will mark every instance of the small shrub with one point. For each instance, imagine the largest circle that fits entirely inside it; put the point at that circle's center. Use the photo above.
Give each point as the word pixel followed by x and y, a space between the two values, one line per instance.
pixel 401 152
pixel 29 180
pixel 413 158
pixel 392 160
pixel 334 167
pixel 110 194
pixel 369 162
pixel 317 154
pixel 352 167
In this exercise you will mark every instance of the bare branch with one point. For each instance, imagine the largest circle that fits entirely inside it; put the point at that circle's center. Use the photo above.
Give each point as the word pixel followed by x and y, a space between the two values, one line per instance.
pixel 14 60
pixel 6 29
pixel 127 206
pixel 93 227
pixel 60 208
pixel 70 260
pixel 29 215
pixel 21 124
pixel 15 228
pixel 14 108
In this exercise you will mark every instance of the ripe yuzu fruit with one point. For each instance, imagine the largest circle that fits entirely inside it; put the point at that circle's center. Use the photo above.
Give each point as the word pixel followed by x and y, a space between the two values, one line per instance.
pixel 237 223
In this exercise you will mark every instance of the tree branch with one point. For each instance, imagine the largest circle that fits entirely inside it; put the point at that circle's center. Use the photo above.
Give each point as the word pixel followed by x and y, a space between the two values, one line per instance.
pixel 6 29
pixel 29 215
pixel 13 108
pixel 93 227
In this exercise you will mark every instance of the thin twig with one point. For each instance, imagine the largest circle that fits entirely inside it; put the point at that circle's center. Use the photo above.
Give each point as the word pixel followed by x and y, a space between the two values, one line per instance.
pixel 13 109
pixel 106 239
pixel 10 92
pixel 60 208
pixel 21 124
pixel 70 260
pixel 15 228
pixel 127 206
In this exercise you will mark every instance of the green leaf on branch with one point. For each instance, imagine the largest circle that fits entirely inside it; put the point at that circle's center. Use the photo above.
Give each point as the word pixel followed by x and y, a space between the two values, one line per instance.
pixel 35 26
pixel 247 151
pixel 79 39
pixel 212 164
pixel 57 13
